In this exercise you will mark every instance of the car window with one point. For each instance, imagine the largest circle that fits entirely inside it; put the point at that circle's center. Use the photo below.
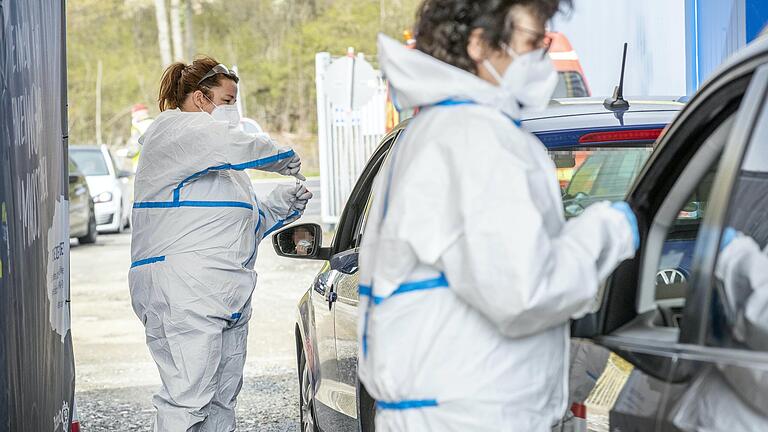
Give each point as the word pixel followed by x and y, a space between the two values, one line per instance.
pixel 113 161
pixel 671 243
pixel 593 174
pixel 673 271
pixel 72 167
pixel 91 162
pixel 347 236
pixel 739 313
pixel 570 84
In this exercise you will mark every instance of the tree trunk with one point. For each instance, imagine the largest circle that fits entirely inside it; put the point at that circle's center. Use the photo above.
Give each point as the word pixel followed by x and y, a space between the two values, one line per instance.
pixel 188 30
pixel 99 68
pixel 163 37
pixel 178 41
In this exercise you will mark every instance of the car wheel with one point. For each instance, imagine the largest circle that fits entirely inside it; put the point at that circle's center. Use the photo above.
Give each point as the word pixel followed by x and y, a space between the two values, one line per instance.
pixel 367 409
pixel 119 215
pixel 90 237
pixel 306 397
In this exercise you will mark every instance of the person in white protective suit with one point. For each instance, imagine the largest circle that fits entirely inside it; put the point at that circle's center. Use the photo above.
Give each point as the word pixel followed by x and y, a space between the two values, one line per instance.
pixel 469 273
pixel 739 391
pixel 196 229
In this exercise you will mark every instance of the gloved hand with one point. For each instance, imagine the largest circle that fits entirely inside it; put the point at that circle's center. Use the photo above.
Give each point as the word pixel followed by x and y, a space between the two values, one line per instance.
pixel 293 167
pixel 299 199
pixel 631 218
pixel 287 200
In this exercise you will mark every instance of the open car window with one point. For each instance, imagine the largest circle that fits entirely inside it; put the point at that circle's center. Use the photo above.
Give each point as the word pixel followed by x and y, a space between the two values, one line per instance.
pixel 669 251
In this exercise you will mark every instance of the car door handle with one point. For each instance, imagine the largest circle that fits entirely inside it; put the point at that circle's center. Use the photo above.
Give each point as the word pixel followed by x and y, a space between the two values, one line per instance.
pixel 331 296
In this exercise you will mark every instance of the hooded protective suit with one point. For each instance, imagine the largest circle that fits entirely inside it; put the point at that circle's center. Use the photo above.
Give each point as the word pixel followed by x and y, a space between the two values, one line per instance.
pixel 469 272
pixel 196 229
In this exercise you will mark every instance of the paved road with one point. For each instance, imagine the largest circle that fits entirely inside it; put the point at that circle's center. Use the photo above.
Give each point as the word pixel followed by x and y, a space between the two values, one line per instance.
pixel 115 373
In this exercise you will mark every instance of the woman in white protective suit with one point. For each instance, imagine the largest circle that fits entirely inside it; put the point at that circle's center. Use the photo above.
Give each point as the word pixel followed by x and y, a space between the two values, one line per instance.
pixel 196 228
pixel 469 273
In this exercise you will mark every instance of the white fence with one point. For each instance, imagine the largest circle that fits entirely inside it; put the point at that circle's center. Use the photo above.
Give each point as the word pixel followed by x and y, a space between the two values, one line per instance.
pixel 347 134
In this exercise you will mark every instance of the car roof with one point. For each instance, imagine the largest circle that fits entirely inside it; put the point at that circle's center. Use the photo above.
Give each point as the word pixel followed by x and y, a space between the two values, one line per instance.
pixel 84 147
pixel 565 120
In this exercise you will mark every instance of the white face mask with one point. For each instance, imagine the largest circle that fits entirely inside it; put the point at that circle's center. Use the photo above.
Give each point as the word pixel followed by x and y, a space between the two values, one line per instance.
pixel 227 113
pixel 530 79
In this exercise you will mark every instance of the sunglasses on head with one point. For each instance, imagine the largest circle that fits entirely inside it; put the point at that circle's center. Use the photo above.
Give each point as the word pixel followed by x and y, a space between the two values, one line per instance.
pixel 218 69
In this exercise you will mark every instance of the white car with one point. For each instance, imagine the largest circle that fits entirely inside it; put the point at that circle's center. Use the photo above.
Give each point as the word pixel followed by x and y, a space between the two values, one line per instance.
pixel 111 188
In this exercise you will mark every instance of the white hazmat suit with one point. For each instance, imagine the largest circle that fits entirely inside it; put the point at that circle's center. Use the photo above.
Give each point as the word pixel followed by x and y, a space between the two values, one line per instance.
pixel 196 229
pixel 469 272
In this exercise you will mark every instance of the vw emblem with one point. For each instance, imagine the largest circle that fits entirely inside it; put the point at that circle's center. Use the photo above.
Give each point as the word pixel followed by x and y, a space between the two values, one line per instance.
pixel 669 277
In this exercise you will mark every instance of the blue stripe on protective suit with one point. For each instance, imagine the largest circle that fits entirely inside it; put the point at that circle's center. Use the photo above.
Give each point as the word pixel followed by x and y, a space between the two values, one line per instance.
pixel 256 245
pixel 408 287
pixel 280 223
pixel 146 261
pixel 407 404
pixel 428 284
pixel 237 167
pixel 365 291
pixel 177 204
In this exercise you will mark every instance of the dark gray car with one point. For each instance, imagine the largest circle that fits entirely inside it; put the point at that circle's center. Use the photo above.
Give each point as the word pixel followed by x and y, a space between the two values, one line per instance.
pixel 82 216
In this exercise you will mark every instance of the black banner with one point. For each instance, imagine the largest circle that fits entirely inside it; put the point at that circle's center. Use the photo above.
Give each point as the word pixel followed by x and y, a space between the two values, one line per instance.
pixel 37 371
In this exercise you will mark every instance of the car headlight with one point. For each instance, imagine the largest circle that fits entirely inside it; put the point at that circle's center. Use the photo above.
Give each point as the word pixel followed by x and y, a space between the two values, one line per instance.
pixel 103 197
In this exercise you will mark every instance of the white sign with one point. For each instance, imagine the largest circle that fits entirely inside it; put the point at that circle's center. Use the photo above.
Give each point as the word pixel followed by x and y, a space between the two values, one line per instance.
pixel 351 82
pixel 58 269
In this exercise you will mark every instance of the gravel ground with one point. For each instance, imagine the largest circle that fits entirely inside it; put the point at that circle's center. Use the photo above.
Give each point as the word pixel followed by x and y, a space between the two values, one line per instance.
pixel 267 403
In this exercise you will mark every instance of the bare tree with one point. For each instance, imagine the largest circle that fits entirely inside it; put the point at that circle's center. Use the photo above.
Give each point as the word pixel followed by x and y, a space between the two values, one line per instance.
pixel 178 41
pixel 99 69
pixel 188 30
pixel 163 37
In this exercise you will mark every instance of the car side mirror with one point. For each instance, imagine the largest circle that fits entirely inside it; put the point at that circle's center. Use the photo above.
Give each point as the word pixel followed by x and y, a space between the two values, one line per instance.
pixel 124 174
pixel 302 241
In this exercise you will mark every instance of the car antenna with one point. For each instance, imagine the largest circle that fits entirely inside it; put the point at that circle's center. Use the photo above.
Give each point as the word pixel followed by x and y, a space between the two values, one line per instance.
pixel 617 102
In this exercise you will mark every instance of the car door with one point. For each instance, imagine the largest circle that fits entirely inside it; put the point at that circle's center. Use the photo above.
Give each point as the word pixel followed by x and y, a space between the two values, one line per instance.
pixel 125 180
pixel 650 313
pixel 347 289
pixel 725 321
pixel 334 299
pixel 325 370
pixel 78 201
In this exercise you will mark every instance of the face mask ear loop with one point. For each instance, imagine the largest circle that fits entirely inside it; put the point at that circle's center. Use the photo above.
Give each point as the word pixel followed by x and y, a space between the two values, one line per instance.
pixel 510 52
pixel 492 70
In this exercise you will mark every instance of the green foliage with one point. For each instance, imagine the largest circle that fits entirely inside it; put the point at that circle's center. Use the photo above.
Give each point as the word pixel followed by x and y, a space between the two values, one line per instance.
pixel 273 43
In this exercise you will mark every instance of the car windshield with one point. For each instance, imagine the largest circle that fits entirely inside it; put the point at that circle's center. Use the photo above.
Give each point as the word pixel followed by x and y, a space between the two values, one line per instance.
pixel 593 174
pixel 90 162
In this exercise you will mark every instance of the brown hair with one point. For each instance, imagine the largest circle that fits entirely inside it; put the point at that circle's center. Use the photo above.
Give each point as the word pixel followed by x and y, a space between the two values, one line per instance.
pixel 181 79
pixel 444 27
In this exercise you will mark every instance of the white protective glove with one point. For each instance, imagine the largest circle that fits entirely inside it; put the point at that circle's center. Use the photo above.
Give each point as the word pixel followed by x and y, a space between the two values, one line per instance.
pixel 300 198
pixel 293 167
pixel 284 200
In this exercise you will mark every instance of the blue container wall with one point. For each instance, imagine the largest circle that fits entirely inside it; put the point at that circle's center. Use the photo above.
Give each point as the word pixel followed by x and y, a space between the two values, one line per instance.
pixel 715 29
